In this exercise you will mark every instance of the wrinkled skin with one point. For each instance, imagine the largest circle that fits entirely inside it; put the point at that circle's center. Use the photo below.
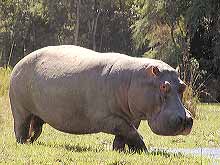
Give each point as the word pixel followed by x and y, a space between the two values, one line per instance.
pixel 79 91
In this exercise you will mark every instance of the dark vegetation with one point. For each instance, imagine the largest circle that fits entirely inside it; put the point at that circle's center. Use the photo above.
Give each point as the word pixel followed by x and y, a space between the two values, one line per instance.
pixel 184 34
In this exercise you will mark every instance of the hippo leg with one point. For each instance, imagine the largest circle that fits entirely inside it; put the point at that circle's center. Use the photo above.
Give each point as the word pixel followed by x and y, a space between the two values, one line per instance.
pixel 35 128
pixel 119 142
pixel 22 120
pixel 124 132
pixel 131 146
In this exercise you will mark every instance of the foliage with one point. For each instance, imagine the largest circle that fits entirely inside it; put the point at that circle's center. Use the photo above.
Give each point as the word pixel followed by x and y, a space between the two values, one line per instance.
pixel 191 101
pixel 194 88
pixel 160 26
pixel 178 31
pixel 28 25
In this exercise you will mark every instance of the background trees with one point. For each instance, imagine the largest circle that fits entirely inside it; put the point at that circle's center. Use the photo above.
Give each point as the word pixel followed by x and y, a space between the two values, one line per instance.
pixel 95 24
pixel 182 33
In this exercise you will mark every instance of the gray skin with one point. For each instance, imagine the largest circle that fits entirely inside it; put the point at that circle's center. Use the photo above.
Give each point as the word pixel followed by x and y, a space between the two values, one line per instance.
pixel 79 91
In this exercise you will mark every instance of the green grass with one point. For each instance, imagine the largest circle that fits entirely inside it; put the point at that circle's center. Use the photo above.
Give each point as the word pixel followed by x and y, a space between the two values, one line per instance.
pixel 54 147
pixel 4 80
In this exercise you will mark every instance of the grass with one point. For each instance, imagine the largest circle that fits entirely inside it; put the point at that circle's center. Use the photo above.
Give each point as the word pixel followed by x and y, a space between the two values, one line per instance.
pixel 4 80
pixel 54 147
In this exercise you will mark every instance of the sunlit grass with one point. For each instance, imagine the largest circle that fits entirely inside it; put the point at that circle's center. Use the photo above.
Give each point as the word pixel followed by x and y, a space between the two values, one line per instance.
pixel 4 80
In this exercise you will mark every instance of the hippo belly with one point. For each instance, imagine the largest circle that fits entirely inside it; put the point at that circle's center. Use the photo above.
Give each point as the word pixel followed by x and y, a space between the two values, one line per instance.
pixel 67 109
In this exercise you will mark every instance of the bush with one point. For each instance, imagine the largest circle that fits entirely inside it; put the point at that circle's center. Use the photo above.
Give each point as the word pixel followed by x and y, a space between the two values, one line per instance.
pixel 4 80
pixel 194 77
pixel 190 100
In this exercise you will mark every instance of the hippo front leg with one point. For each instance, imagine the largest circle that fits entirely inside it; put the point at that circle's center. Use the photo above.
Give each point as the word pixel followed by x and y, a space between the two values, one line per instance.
pixel 119 142
pixel 125 134
pixel 135 142
pixel 130 145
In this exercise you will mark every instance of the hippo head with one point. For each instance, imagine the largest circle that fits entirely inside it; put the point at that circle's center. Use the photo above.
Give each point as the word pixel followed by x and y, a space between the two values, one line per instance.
pixel 155 95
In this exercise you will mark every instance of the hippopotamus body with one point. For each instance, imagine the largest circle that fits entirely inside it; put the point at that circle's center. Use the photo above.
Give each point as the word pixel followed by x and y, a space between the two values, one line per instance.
pixel 80 91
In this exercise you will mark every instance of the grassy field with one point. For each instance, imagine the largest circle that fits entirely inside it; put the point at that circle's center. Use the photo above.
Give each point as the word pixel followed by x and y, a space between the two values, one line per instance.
pixel 54 147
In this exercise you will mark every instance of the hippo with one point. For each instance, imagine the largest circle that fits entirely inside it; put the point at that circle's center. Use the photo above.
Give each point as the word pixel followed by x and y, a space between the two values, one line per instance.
pixel 79 91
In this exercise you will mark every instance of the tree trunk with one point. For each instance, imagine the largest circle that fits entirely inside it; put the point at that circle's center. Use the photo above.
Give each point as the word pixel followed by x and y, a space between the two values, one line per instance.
pixel 186 60
pixel 94 31
pixel 172 35
pixel 11 52
pixel 100 46
pixel 77 21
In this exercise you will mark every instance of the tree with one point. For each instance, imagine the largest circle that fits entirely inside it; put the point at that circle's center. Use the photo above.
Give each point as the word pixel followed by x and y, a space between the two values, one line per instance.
pixel 96 24
pixel 181 33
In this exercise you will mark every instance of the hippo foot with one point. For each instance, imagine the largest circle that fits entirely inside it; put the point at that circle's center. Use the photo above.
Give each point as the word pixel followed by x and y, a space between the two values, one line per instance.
pixel 24 140
pixel 119 144
pixel 137 146
pixel 133 145
pixel 21 140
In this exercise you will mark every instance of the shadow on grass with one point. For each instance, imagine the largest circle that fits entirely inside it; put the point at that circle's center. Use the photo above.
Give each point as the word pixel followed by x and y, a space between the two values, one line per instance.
pixel 163 152
pixel 154 152
pixel 81 148
pixel 69 147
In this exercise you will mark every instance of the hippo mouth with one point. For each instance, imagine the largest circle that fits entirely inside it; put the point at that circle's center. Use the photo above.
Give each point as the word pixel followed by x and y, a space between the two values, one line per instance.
pixel 183 129
pixel 187 128
pixel 186 131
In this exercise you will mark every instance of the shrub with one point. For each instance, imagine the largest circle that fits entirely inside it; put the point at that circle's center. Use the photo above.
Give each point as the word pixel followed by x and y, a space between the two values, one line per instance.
pixel 190 100
pixel 194 77
pixel 4 80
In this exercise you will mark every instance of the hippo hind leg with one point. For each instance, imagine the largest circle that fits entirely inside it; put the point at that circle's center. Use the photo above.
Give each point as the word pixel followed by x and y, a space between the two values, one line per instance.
pixel 27 127
pixel 21 130
pixel 21 124
pixel 35 128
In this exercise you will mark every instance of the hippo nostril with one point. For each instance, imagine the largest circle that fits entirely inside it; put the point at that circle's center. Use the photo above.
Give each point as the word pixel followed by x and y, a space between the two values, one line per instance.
pixel 189 122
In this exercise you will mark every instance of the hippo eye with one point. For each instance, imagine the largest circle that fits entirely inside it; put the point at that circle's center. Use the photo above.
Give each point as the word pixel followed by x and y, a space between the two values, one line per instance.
pixel 165 87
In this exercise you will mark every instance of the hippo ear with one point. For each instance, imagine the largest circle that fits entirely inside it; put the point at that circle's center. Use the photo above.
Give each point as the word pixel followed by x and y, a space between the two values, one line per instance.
pixel 178 70
pixel 153 71
pixel 182 86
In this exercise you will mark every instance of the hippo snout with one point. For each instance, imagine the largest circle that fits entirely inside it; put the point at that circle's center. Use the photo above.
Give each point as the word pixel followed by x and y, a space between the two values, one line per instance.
pixel 183 123
pixel 187 122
